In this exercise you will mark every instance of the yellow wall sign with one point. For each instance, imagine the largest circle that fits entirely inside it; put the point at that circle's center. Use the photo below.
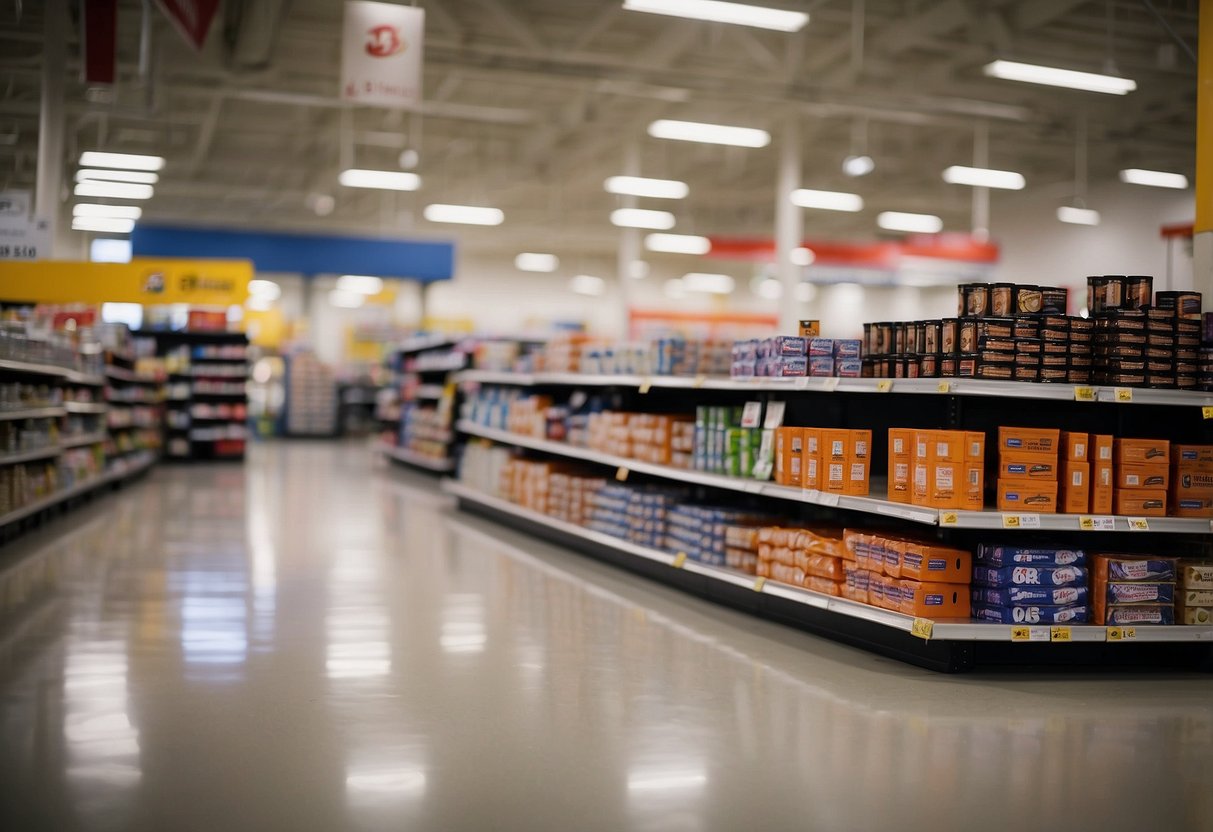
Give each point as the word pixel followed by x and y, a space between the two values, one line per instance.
pixel 150 282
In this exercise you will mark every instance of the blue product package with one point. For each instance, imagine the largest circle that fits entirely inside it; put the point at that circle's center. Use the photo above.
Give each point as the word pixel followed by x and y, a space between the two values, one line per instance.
pixel 1140 614
pixel 820 367
pixel 1128 568
pixel 994 555
pixel 823 347
pixel 1040 576
pixel 1028 614
pixel 847 348
pixel 787 367
pixel 848 367
pixel 1137 592
pixel 1039 596
pixel 791 346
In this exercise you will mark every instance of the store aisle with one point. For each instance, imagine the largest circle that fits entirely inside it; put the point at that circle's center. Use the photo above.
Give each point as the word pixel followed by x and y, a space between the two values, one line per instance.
pixel 315 642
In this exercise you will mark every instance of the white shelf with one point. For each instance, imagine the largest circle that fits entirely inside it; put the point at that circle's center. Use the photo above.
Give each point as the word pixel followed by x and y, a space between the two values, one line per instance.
pixel 85 407
pixel 75 491
pixel 428 391
pixel 30 456
pixel 944 629
pixel 919 386
pixel 79 441
pixel 442 364
pixel 427 342
pixel 32 413
pixel 420 460
pixel 74 377
pixel 870 505
pixel 34 369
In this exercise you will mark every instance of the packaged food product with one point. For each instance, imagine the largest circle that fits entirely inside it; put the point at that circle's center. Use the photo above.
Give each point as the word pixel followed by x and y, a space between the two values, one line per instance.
pixel 998 555
pixel 1194 615
pixel 1074 446
pixel 1137 475
pixel 823 585
pixel 1121 568
pixel 901 441
pixel 1137 592
pixel 1135 614
pixel 1026 300
pixel 1030 614
pixel 1014 466
pixel 1139 290
pixel 1195 575
pixel 1037 496
pixel 922 561
pixel 1130 451
pixel 1038 596
pixel 1185 304
pixel 1075 487
pixel 1000 299
pixel 1194 597
pixel 1034 576
pixel 810 329
pixel 934 600
pixel 1028 440
pixel 1140 502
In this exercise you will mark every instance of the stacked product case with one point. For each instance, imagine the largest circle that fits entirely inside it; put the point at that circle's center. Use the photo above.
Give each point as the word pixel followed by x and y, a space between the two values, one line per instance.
pixel 311 397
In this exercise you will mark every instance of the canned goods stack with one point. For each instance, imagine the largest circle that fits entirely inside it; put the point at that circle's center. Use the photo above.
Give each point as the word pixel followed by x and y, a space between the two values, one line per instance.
pixel 1144 339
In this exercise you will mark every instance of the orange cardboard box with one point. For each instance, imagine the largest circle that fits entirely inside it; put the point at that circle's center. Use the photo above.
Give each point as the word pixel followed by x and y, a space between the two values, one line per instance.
pixel 922 561
pixel 1036 496
pixel 835 444
pixel 972 498
pixel 1190 503
pixel 1075 487
pixel 1141 502
pixel 1101 447
pixel 975 446
pixel 1075 447
pixel 789 450
pixel 1020 466
pixel 900 455
pixel 1192 457
pixel 940 445
pixel 861 444
pixel 1101 487
pixel 1139 451
pixel 810 465
pixel 934 600
pixel 1029 440
pixel 1141 476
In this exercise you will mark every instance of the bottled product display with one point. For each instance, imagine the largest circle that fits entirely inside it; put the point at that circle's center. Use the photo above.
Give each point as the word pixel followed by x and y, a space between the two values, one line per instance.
pixel 206 399
pixel 311 396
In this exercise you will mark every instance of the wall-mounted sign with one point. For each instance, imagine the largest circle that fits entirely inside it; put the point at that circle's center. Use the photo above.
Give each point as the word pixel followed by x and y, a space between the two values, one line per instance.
pixel 151 282
pixel 21 237
pixel 381 54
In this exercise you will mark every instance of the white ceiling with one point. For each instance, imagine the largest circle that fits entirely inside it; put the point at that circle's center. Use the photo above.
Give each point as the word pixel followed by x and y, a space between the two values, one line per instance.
pixel 531 104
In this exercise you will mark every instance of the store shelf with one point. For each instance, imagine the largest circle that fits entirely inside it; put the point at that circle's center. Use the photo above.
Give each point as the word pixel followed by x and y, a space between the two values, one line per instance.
pixel 87 439
pixel 1007 521
pixel 74 377
pixel 34 369
pixel 85 407
pixel 942 630
pixel 130 376
pixel 444 364
pixel 428 391
pixel 427 342
pixel 880 386
pixel 32 413
pixel 30 456
pixel 420 460
pixel 74 491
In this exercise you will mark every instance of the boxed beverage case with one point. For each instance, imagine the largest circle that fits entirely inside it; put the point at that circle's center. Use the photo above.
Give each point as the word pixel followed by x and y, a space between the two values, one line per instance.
pixel 1075 446
pixel 1028 440
pixel 1075 487
pixel 934 600
pixel 1033 576
pixel 997 555
pixel 1037 496
pixel 1038 596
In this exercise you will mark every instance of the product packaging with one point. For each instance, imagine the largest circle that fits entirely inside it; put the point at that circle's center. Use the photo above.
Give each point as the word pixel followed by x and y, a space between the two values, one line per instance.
pixel 1031 576
pixel 996 555
pixel 1037 596
pixel 1030 614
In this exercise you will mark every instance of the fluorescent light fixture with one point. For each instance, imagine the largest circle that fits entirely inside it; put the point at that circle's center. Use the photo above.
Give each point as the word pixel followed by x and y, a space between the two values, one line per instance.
pixel 720 12
pixel 638 270
pixel 126 161
pixel 803 256
pixel 113 190
pixel 107 225
pixel 530 261
pixel 694 131
pixel 984 178
pixel 858 165
pixel 464 214
pixel 1154 178
pixel 1052 76
pixel 362 284
pixel 346 300
pixel 710 284
pixel 141 177
pixel 827 200
pixel 1078 216
pixel 384 180
pixel 640 186
pixel 678 243
pixel 587 284
pixel 117 212
pixel 902 221
pixel 267 289
pixel 642 218
pixel 110 250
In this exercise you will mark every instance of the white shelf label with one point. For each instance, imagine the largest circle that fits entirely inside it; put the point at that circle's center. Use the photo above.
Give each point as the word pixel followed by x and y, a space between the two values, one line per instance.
pixel 1025 633
pixel 1097 524
pixel 1021 521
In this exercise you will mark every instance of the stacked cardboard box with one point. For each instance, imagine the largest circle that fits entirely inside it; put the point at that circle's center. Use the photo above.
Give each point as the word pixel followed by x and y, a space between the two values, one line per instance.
pixel 1141 477
pixel 937 468
pixel 807 557
pixel 908 575
pixel 702 531
pixel 1191 490
pixel 1028 469
pixel 1030 585
pixel 741 548
pixel 570 496
pixel 1101 473
pixel 1133 589
pixel 1194 593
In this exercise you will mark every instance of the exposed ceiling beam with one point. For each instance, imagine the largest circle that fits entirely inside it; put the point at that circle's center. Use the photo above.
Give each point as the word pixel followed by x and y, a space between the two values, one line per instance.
pixel 513 23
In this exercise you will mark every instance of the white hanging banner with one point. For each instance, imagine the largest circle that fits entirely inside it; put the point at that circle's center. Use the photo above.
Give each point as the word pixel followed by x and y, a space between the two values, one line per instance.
pixel 381 54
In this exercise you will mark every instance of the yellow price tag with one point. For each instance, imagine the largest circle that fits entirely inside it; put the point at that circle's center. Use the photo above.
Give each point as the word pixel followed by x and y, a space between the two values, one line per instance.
pixel 949 518
pixel 1084 394
pixel 1059 634
pixel 1139 524
pixel 1206 412
pixel 922 627
pixel 759 583
pixel 621 474
pixel 1122 634
pixel 645 385
pixel 1021 634
pixel 1124 394
pixel 1010 521
pixel 884 385
pixel 699 381
pixel 679 560
pixel 944 387
pixel 1087 524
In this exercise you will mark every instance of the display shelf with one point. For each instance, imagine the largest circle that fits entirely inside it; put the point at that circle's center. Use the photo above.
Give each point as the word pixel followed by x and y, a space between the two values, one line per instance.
pixel 839 617
pixel 75 491
pixel 85 407
pixel 427 342
pixel 420 460
pixel 880 386
pixel 30 456
pixel 947 518
pixel 428 391
pixel 32 413
pixel 440 364
pixel 78 441
pixel 34 369
pixel 74 377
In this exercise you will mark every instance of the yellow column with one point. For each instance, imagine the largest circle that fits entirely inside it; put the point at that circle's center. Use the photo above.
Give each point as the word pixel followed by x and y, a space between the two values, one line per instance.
pixel 1202 243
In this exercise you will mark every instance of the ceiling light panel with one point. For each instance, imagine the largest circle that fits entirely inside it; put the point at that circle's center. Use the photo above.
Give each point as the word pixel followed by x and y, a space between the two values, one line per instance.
pixel 827 200
pixel 641 186
pixel 1077 216
pixel 707 283
pixel 126 161
pixel 696 131
pixel 914 223
pixel 739 14
pixel 1154 178
pixel 110 225
pixel 1056 77
pixel 362 284
pixel 384 180
pixel 113 190
pixel 464 214
pixel 587 284
pixel 531 261
pixel 117 212
pixel 1007 180
pixel 678 243
pixel 141 177
pixel 642 218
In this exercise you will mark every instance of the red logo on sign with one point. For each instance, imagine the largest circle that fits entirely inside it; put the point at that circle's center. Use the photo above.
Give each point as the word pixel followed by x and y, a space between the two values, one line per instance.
pixel 384 41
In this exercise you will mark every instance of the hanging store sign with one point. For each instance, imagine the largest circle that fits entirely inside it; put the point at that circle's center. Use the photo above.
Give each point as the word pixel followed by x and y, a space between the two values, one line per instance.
pixel 152 282
pixel 191 17
pixel 381 53
pixel 21 237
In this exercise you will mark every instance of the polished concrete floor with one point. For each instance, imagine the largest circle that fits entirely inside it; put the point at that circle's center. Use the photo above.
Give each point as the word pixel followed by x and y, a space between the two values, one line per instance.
pixel 315 642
